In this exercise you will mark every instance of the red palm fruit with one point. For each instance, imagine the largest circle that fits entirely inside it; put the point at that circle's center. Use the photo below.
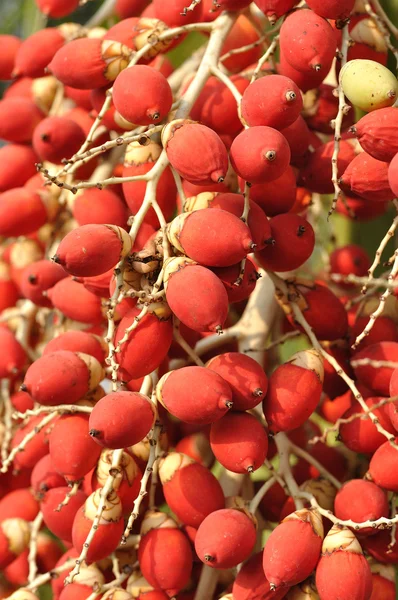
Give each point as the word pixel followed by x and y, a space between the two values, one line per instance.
pixel 377 133
pixel 9 292
pixel 56 9
pixel 17 165
pixel 39 48
pixel 298 136
pixel 342 570
pixel 361 501
pixel 142 95
pixel 100 207
pixel 129 8
pixel 56 138
pixel 195 295
pixel 243 33
pixel 45 477
pixel 17 572
pixel 288 231
pixel 338 10
pixel 383 579
pixel 22 211
pixel 92 249
pixel 320 107
pixel 100 61
pixel 260 154
pixel 18 130
pixel 9 46
pixel 273 9
pixel 13 356
pixel 173 13
pixel 78 341
pixel 197 446
pixel 229 275
pixel 384 330
pixel 121 419
pixel 377 379
pixel 194 235
pixel 191 189
pixel 218 109
pixel 350 259
pixel 195 395
pixel 333 384
pixel 306 80
pixel 307 41
pixel 62 377
pixel 284 102
pixel 361 435
pixel 251 581
pixel 57 584
pixel 19 504
pixel 60 522
pixel 164 553
pixel 147 345
pixel 275 197
pixel 239 442
pixel 378 546
pixel 368 178
pixel 99 284
pixel 181 478
pixel 37 278
pixel 124 32
pixel 225 538
pixel 294 391
pixel 333 409
pixel 76 302
pixel 22 401
pixel 139 160
pixel 245 376
pixel 76 591
pixel 317 174
pixel 14 539
pixel 36 448
pixel 393 175
pixel 109 530
pixel 73 451
pixel 212 164
pixel 82 98
pixel 383 466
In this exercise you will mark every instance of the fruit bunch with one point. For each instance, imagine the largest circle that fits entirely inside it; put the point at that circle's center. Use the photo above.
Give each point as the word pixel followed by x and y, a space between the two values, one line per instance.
pixel 199 387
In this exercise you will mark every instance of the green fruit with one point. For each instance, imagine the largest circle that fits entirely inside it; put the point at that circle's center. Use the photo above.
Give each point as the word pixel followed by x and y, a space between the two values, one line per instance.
pixel 368 85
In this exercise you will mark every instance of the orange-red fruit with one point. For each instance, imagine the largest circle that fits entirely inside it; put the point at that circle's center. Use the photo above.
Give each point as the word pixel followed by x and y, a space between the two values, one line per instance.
pixel 56 9
pixel 377 132
pixel 195 395
pixel 282 106
pixel 99 207
pixel 172 13
pixel 393 175
pixel 77 341
pixel 45 477
pixel 18 130
pixel 211 158
pixel 383 467
pixel 239 442
pixel 37 51
pixel 244 375
pixel 229 275
pixel 76 302
pixel 273 9
pixel 260 154
pixel 368 178
pixel 361 435
pixel 332 9
pixel 293 548
pixel 17 165
pixel 129 8
pixel 14 539
pixel 19 504
pixel 377 379
pixel 56 138
pixel 243 33
pixel 13 356
pixel 22 211
pixel 299 138
pixel 292 243
pixel 275 197
pixel 382 588
pixel 317 173
pixel 324 110
pixel 181 479
pixel 60 522
pixel 350 259
pixel 36 448
pixel 76 591
pixel 361 501
pixel 307 41
pixel 9 46
pixel 306 80
pixel 251 582
pixel 225 538
pixel 142 95
pixel 37 278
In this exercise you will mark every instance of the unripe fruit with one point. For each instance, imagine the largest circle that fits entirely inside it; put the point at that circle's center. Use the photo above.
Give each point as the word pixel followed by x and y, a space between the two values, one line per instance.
pixel 245 376
pixel 17 165
pixel 225 538
pixel 45 477
pixel 251 581
pixel 361 435
pixel 285 563
pixel 211 164
pixel 377 133
pixel 283 106
pixel 78 341
pixel 383 467
pixel 273 9
pixel 109 530
pixel 94 206
pixel 9 46
pixel 56 138
pixel 377 379
pixel 22 211
pixel 60 522
pixel 142 95
pixel 275 197
pixel 368 85
pixel 260 154
pixel 92 249
pixel 57 9
pixel 197 235
pixel 317 174
pixel 294 391
pixel 368 178
pixel 36 448
pixel 229 276
pixel 37 278
pixel 76 302
pixel 360 501
pixel 194 395
pixel 19 504
pixel 14 539
pixel 393 175
pixel 307 41
pixel 195 295
pixel 18 130
pixel 181 478
pixel 13 356
pixel 343 571
pixel 339 10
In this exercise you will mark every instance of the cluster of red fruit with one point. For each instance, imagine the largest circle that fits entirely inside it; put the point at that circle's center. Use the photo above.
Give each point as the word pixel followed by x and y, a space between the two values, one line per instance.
pixel 167 458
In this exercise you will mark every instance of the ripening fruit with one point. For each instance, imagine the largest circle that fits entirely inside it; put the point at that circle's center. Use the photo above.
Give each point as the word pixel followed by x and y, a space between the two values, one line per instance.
pixel 211 236
pixel 129 8
pixel 307 41
pixel 343 571
pixel 350 259
pixel 78 341
pixel 37 278
pixel 19 504
pixel 142 95
pixel 56 9
pixel 273 101
pixel 361 435
pixel 45 477
pixel 22 211
pixel 14 539
pixel 121 419
pixel 239 442
pixel 110 527
pixel 60 522
pixel 92 249
pixel 377 133
pixel 368 85
pixel 306 80
pixel 251 581
pixel 273 9
pixel 37 51
pixel 56 138
pixel 36 448
pixel 377 379
pixel 94 206
pixel 172 13
pixel 195 295
pixel 321 108
pixel 383 580
pixel 197 446
pixel 299 138
pixel 17 165
pixel 13 355
pixel 316 176
pixel 194 395
pixel 383 466
pixel 225 538
pixel 245 377
pixel 247 282
pixel 288 231
pixel 275 197
pixel 211 158
pixel 100 61
pixel 293 548
pixel 361 501
pixel 76 302
pixel 260 154
pixel 368 178
pixel 181 478
pixel 9 46
pixel 338 10
pixel 393 175
pixel 18 130
pixel 294 390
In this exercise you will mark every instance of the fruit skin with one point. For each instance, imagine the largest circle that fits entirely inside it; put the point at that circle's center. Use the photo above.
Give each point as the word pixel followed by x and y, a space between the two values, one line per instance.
pixel 275 197
pixel 383 467
pixel 368 178
pixel 377 133
pixel 128 8
pixel 350 259
pixel 225 538
pixel 18 130
pixel 19 504
pixel 21 212
pixel 57 9
pixel 37 278
pixel 273 9
pixel 142 95
pixel 17 165
pixel 99 207
pixel 9 45
pixel 251 581
pixel 393 175
pixel 361 435
pixel 13 355
pixel 121 419
pixel 360 501
pixel 317 173
pixel 37 50
pixel 306 80
pixel 332 9
pixel 195 395
pixel 56 138
pixel 45 477
pixel 228 276
pixel 76 302
pixel 378 380
pixel 368 85
pixel 260 154
pixel 77 341
pixel 14 539
pixel 60 523
pixel 36 448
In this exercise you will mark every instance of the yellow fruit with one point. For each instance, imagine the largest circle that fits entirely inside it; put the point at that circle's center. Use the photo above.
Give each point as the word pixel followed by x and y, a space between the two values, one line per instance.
pixel 368 85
